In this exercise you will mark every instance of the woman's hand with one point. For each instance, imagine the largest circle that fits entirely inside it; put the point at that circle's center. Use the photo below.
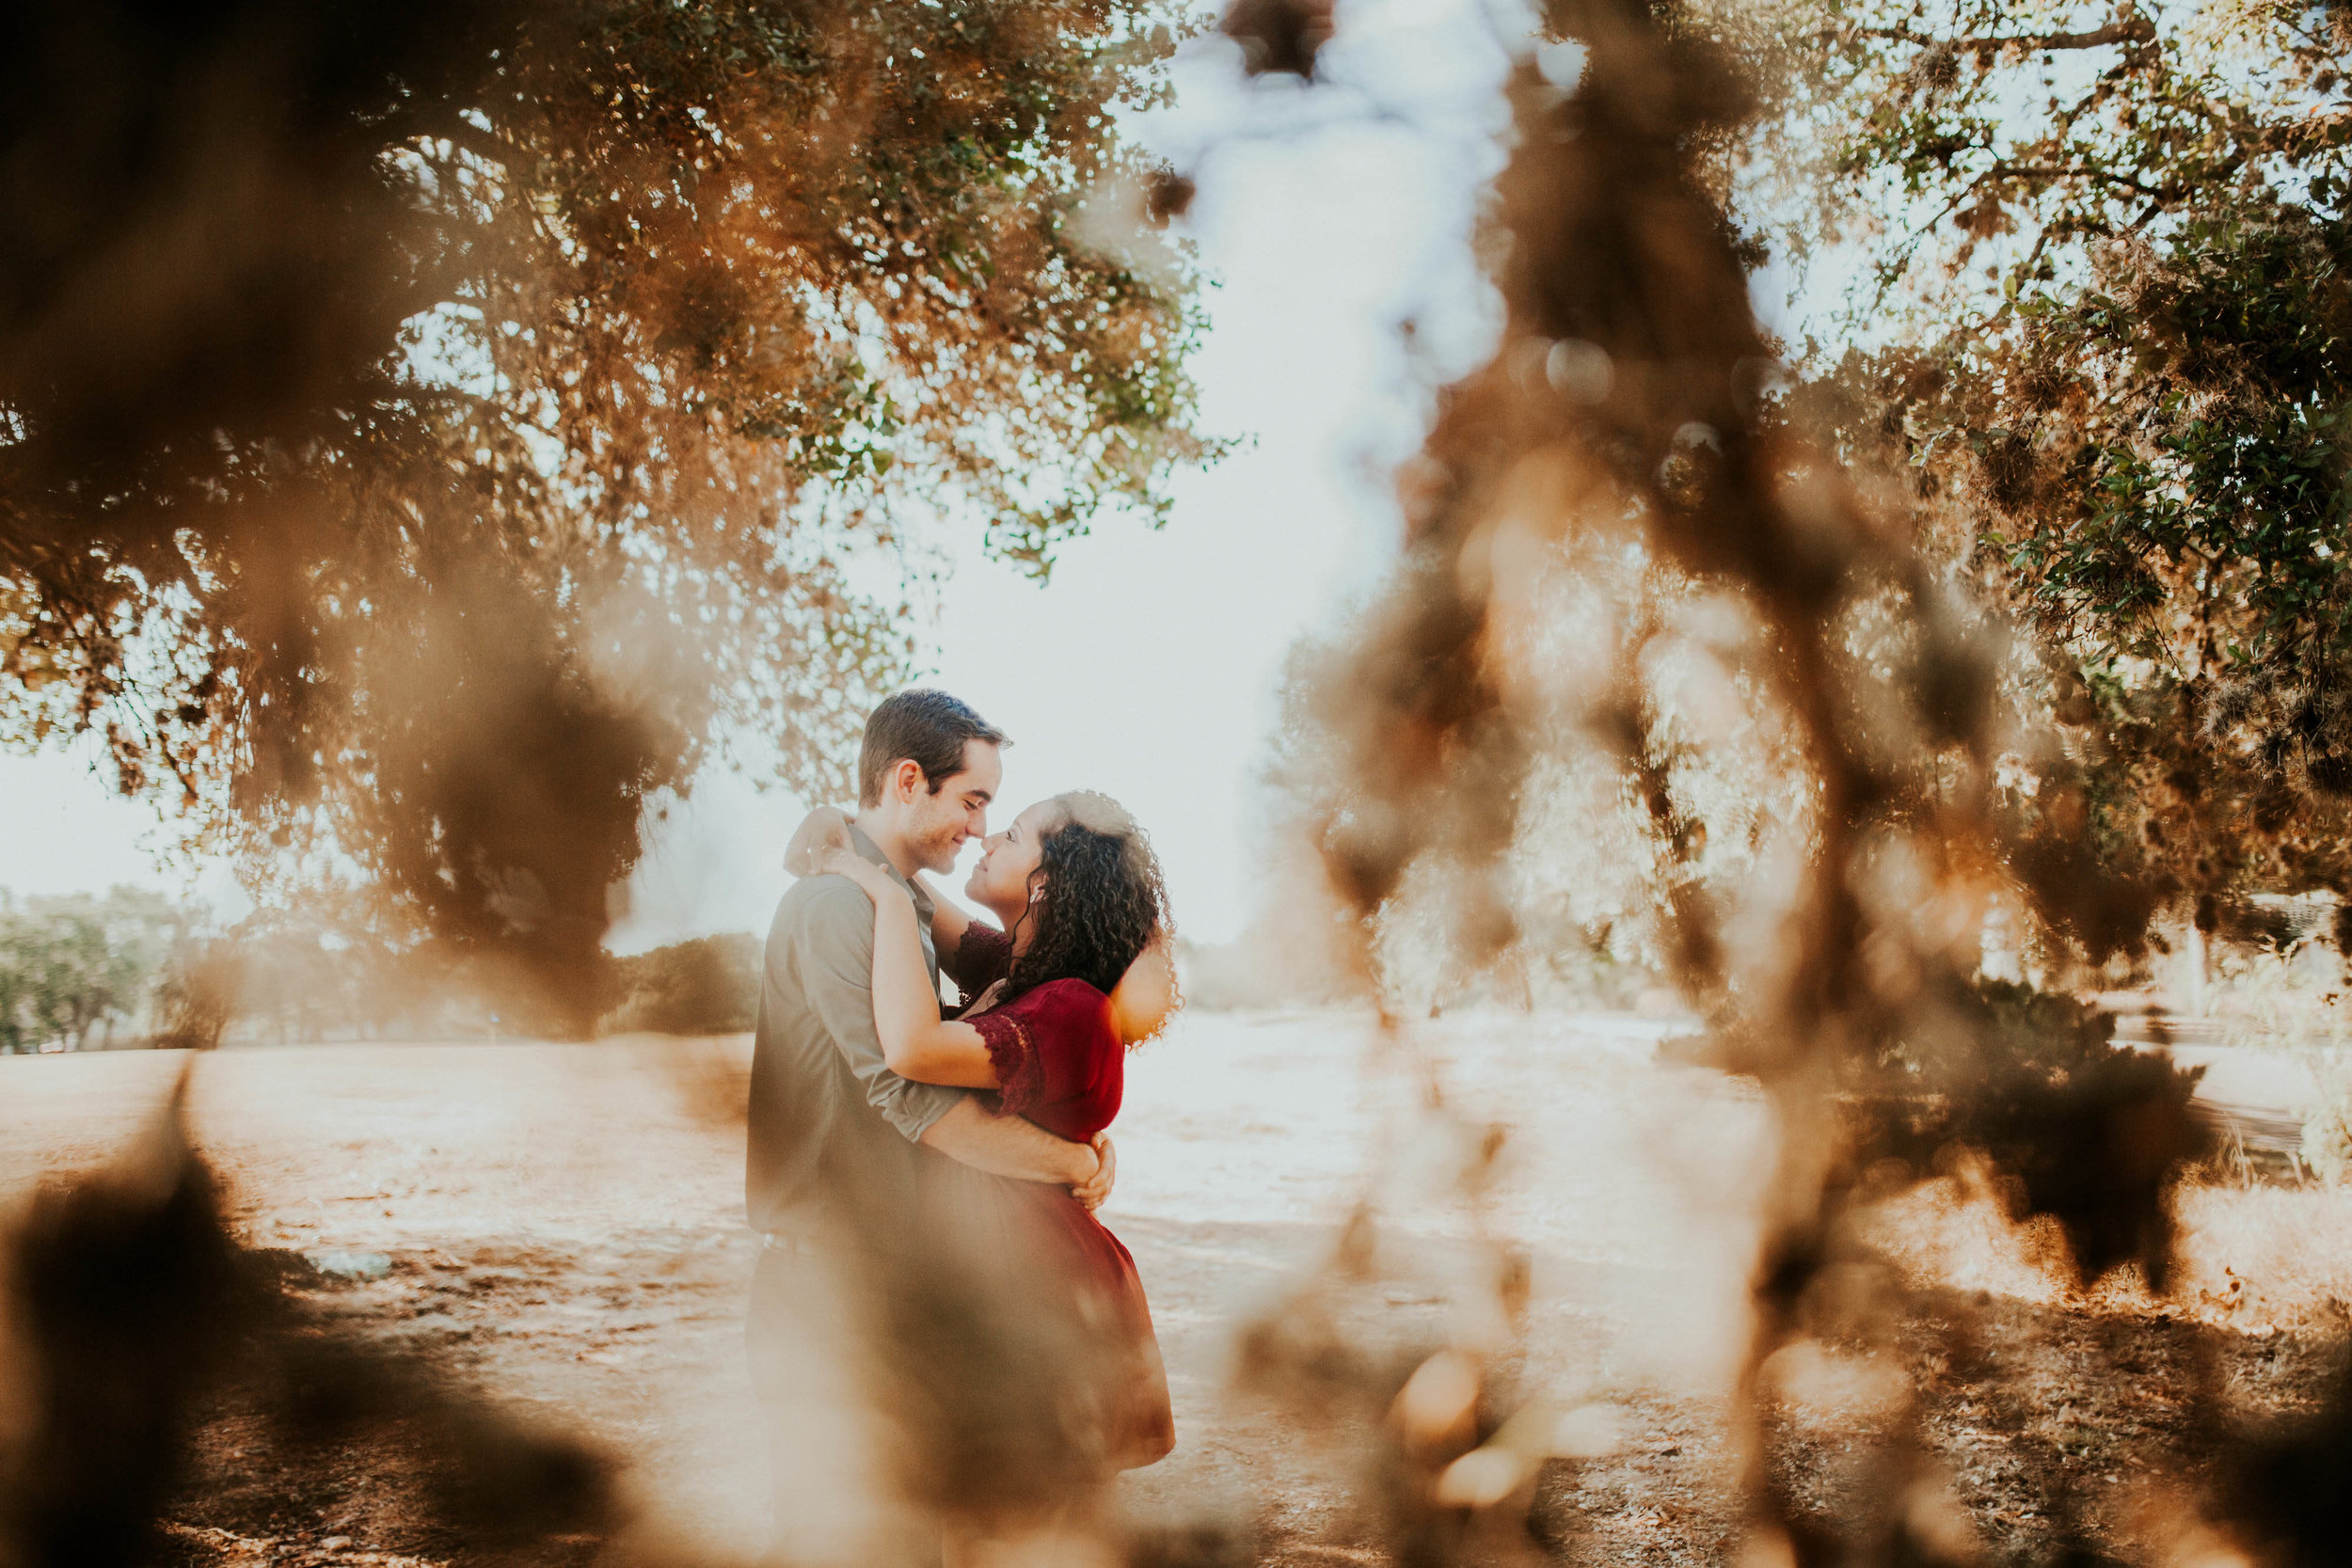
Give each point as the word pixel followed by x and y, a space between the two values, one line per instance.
pixel 842 860
pixel 820 847
pixel 821 831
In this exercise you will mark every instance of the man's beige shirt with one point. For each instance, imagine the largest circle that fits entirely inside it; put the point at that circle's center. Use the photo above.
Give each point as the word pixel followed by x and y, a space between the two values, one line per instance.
pixel 825 1107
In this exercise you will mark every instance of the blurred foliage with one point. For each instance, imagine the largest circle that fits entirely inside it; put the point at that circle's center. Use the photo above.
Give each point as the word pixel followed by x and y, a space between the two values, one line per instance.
pixel 136 1317
pixel 2089 1133
pixel 2327 1146
pixel 73 965
pixel 2101 322
pixel 421 425
pixel 1666 608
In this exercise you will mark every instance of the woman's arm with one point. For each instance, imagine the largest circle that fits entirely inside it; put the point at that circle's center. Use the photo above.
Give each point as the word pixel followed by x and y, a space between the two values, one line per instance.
pixel 916 1042
pixel 825 832
pixel 1146 995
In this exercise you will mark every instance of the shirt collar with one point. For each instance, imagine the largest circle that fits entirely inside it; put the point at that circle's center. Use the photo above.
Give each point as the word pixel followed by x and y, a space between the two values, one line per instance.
pixel 870 850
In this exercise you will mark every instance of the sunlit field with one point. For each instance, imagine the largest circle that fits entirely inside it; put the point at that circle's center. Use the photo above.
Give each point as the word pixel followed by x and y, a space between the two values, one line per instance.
pixel 558 1226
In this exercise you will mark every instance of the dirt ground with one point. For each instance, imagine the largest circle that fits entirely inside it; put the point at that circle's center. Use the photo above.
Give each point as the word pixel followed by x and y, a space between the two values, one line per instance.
pixel 559 1226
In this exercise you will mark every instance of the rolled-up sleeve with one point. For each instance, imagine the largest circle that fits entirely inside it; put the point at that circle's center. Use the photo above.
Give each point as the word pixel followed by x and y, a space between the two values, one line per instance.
pixel 837 977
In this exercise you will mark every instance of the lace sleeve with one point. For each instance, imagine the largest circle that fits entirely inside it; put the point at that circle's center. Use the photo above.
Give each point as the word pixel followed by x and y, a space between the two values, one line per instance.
pixel 983 957
pixel 1013 1051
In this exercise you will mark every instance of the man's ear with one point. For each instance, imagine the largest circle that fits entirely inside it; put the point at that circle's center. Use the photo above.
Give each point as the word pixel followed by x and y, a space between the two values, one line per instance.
pixel 906 779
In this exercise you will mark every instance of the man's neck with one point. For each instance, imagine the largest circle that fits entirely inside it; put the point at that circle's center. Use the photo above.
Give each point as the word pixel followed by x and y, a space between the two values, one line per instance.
pixel 893 849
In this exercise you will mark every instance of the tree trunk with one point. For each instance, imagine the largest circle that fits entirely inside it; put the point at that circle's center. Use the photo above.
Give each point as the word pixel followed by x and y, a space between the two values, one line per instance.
pixel 2199 972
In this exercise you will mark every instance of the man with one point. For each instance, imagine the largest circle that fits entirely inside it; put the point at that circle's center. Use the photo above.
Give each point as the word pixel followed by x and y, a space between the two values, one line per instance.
pixel 842 1151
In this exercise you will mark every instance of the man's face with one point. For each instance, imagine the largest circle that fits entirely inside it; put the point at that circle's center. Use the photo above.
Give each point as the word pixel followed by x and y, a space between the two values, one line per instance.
pixel 939 822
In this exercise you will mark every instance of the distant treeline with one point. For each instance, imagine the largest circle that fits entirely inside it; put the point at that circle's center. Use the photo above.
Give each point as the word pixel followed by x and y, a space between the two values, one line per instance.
pixel 82 970
pixel 133 969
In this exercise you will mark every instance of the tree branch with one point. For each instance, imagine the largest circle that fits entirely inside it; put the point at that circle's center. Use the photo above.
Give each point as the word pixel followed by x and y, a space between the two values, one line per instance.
pixel 2092 172
pixel 445 121
pixel 2130 29
pixel 2123 29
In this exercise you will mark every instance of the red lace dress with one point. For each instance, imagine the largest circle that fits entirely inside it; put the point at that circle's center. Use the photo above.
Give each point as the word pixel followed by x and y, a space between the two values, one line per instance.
pixel 1061 1063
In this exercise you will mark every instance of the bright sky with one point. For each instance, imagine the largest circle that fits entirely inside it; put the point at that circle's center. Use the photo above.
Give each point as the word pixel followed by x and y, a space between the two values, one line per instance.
pixel 1147 668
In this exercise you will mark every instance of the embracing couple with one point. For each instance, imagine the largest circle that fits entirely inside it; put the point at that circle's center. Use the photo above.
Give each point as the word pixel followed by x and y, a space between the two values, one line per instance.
pixel 937 1316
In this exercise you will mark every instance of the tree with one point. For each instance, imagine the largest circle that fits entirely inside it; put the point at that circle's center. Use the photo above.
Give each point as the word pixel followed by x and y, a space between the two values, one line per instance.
pixel 421 425
pixel 2101 321
pixel 705 985
pixel 70 964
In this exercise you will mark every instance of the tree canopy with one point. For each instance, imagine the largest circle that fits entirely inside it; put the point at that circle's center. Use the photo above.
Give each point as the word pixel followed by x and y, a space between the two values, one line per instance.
pixel 420 426
pixel 2098 315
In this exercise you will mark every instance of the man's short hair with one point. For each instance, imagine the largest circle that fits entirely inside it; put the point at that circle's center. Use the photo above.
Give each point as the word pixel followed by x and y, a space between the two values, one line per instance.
pixel 929 727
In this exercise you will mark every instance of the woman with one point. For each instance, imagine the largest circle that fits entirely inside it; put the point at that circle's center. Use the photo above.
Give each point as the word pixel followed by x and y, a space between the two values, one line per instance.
pixel 1075 971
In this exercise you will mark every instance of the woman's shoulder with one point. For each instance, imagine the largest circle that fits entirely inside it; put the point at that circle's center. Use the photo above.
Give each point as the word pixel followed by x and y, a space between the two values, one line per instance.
pixel 1069 999
pixel 1068 989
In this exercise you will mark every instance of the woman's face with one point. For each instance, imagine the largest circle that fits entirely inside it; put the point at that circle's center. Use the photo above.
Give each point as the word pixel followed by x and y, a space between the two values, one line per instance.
pixel 1001 879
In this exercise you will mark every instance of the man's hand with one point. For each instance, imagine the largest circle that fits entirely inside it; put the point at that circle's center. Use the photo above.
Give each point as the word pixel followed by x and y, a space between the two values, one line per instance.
pixel 1095 1188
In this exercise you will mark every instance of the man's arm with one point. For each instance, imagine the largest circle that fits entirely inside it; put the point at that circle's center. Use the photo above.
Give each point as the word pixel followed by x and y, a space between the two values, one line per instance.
pixel 1010 1145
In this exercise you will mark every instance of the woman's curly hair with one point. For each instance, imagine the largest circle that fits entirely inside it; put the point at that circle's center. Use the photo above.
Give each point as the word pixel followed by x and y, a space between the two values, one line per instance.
pixel 1104 900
